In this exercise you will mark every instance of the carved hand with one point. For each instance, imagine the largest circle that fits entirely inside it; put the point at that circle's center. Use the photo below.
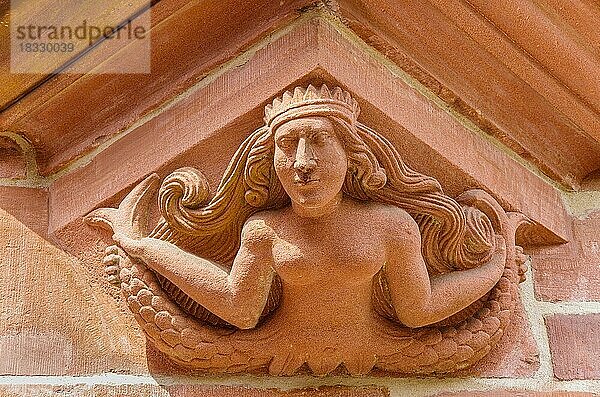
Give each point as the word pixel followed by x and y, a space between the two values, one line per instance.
pixel 133 247
pixel 499 256
pixel 112 261
pixel 521 259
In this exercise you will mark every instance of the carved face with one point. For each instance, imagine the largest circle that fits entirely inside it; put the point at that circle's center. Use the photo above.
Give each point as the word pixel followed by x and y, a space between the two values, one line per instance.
pixel 310 161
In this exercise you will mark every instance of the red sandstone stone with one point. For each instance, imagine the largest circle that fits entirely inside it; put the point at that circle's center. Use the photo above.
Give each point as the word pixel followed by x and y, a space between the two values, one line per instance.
pixel 516 355
pixel 53 321
pixel 37 294
pixel 529 25
pixel 482 29
pixel 458 62
pixel 570 272
pixel 303 316
pixel 506 69
pixel 240 391
pixel 14 85
pixel 234 391
pixel 575 345
pixel 59 122
pixel 28 205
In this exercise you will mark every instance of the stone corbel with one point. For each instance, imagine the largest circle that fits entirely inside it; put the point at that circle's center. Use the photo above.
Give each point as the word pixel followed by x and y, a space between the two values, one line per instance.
pixel 320 247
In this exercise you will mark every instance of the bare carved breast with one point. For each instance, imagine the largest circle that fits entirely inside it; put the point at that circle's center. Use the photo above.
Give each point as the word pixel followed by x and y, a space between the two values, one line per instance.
pixel 327 251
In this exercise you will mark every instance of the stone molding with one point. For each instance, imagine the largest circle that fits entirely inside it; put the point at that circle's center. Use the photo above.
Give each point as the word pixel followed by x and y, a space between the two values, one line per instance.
pixel 219 108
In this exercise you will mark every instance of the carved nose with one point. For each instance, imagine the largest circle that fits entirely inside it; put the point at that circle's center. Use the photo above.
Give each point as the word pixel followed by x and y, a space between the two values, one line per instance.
pixel 305 159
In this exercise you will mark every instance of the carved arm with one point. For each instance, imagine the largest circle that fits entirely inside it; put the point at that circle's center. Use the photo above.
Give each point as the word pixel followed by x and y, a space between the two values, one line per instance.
pixel 419 300
pixel 239 296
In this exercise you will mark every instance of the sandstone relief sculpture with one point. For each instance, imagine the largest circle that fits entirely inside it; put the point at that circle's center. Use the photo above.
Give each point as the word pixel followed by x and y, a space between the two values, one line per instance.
pixel 320 249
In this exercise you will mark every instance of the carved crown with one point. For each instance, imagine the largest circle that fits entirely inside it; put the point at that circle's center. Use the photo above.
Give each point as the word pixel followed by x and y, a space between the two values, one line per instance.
pixel 302 102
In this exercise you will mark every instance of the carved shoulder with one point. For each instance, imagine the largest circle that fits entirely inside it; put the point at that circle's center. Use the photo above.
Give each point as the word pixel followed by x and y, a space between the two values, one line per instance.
pixel 399 227
pixel 257 231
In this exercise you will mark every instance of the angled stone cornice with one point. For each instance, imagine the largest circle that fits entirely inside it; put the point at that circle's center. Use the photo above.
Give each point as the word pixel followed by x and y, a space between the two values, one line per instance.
pixel 226 106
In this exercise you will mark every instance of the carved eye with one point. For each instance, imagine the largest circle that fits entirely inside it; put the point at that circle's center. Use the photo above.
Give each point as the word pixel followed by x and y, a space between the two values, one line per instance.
pixel 286 142
pixel 319 138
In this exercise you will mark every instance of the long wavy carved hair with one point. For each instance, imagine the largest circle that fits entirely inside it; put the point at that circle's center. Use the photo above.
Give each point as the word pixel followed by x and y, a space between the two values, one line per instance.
pixel 453 236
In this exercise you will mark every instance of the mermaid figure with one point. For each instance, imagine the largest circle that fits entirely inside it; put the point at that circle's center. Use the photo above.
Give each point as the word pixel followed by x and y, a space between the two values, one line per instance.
pixel 320 249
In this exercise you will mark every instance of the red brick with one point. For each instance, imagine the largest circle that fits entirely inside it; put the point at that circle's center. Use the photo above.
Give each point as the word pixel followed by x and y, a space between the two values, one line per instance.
pixel 240 391
pixel 575 346
pixel 570 272
pixel 234 391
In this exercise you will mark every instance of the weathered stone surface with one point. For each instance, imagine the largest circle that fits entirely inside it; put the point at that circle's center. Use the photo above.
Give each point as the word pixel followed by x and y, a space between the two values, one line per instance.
pixel 57 119
pixel 15 85
pixel 187 391
pixel 52 320
pixel 58 317
pixel 575 345
pixel 570 272
pixel 116 186
pixel 28 205
pixel 241 391
pixel 434 39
